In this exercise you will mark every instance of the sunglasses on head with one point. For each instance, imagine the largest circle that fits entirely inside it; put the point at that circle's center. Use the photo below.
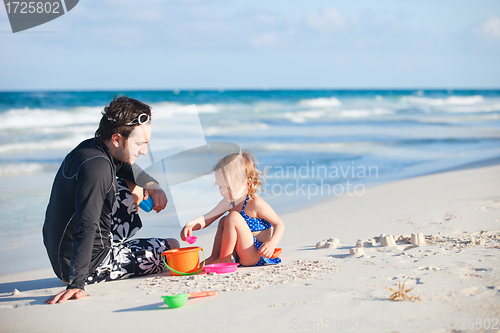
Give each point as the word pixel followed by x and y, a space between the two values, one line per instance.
pixel 140 119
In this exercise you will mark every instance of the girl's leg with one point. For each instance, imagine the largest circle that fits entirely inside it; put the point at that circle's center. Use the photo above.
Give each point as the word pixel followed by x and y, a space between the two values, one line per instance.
pixel 217 242
pixel 237 237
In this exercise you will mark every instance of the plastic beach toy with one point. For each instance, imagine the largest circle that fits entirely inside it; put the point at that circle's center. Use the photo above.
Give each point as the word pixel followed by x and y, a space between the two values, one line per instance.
pixel 176 301
pixel 191 239
pixel 221 268
pixel 184 261
pixel 202 294
pixel 147 205
pixel 276 253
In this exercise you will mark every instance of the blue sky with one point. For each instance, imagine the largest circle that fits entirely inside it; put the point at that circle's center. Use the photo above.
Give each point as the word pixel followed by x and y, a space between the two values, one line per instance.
pixel 233 44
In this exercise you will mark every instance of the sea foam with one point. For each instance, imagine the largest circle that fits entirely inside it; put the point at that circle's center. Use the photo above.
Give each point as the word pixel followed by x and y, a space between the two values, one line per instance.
pixel 169 109
pixel 452 100
pixel 491 107
pixel 11 169
pixel 320 102
pixel 31 118
pixel 313 146
pixel 302 116
pixel 234 127
pixel 66 143
pixel 361 113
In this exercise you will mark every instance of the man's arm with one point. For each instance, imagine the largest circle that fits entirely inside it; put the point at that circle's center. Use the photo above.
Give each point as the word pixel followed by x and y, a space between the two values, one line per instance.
pixel 136 175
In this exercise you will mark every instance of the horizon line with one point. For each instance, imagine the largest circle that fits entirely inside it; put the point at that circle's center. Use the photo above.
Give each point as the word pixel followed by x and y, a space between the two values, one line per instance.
pixel 247 89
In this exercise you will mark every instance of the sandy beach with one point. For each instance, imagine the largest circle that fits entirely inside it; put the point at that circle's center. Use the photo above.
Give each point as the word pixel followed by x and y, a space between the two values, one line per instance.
pixel 455 274
pixel 375 125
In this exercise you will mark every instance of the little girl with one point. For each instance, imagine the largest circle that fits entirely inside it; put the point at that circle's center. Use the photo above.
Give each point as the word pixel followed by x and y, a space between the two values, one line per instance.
pixel 246 231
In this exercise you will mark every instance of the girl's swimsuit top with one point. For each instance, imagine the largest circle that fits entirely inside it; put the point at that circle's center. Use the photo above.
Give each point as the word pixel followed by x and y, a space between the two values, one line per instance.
pixel 254 223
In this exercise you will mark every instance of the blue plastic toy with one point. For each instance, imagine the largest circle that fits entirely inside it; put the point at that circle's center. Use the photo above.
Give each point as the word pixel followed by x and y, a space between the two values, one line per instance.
pixel 147 205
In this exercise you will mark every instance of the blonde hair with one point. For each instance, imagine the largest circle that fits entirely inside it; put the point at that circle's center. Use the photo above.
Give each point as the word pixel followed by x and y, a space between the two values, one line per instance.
pixel 231 164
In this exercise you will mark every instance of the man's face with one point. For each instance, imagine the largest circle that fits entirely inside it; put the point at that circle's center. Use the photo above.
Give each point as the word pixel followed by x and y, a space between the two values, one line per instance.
pixel 137 144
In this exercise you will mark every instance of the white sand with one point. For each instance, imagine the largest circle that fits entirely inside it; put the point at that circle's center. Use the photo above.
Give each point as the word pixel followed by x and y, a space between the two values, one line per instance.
pixel 456 274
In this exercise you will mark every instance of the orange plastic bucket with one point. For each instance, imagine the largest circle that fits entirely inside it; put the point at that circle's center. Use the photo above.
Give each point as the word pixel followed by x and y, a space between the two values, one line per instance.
pixel 184 261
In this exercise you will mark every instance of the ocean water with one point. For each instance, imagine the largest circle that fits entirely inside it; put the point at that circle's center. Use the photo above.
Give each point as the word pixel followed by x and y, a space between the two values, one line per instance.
pixel 312 143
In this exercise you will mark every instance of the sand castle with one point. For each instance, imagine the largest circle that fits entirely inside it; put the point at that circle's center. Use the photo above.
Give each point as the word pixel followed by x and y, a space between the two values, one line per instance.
pixel 332 243
pixel 356 251
pixel 387 240
pixel 366 243
pixel 417 239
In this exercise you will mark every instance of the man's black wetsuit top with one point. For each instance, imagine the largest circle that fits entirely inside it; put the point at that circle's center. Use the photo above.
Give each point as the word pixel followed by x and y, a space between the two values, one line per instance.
pixel 77 227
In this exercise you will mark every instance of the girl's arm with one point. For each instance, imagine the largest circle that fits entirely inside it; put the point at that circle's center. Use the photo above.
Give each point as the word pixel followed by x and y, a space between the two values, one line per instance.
pixel 265 211
pixel 204 221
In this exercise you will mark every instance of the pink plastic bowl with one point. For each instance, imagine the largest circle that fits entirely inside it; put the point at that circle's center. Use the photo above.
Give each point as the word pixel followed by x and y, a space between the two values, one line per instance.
pixel 221 268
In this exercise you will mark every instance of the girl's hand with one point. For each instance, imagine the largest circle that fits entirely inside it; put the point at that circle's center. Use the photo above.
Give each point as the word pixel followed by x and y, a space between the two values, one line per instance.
pixel 186 232
pixel 196 224
pixel 266 250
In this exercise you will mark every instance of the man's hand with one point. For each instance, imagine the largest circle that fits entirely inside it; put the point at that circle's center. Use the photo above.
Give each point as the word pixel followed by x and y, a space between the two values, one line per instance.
pixel 159 197
pixel 64 295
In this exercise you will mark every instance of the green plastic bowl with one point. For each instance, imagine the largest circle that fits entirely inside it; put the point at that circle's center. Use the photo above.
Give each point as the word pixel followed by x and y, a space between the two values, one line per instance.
pixel 175 301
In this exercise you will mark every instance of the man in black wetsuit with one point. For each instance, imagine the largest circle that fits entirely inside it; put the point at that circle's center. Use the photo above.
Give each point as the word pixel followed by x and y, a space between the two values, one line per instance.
pixel 91 215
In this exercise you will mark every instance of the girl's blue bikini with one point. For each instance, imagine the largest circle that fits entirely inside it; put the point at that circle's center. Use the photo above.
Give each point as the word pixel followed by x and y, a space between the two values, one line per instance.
pixel 256 224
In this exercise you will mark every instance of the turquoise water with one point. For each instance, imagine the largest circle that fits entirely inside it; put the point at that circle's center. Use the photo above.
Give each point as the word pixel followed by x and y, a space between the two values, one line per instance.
pixel 313 143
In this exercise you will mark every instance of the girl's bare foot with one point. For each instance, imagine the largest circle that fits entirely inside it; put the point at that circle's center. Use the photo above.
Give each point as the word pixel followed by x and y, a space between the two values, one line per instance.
pixel 223 261
pixel 210 260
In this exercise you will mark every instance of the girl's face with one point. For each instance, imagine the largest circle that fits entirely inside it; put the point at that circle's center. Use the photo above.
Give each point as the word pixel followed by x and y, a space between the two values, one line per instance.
pixel 230 192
